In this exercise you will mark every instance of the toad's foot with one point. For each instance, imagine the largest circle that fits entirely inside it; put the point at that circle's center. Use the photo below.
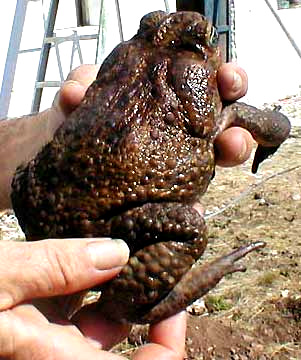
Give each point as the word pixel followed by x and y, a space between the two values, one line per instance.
pixel 198 281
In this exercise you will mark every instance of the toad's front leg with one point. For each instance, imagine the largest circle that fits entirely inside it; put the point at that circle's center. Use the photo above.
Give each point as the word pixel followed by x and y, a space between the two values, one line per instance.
pixel 269 128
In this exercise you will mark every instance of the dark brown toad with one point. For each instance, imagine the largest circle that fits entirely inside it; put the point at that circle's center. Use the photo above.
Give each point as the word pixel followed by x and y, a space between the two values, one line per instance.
pixel 132 159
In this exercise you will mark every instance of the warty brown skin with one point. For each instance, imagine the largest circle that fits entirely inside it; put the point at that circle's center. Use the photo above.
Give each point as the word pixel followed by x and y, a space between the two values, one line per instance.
pixel 132 159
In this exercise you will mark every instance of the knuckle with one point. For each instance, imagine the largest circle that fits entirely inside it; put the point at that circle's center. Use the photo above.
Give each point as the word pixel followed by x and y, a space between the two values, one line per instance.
pixel 61 272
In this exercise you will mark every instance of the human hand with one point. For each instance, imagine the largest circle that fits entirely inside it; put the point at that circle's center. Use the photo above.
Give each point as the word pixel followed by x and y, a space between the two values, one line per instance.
pixel 233 146
pixel 47 268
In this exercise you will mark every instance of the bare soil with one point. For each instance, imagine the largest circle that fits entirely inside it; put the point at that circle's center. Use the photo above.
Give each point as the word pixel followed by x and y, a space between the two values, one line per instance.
pixel 256 314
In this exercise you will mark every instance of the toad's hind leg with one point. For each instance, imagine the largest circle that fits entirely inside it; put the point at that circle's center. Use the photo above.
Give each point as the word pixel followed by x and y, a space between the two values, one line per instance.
pixel 152 223
pixel 198 281
pixel 165 240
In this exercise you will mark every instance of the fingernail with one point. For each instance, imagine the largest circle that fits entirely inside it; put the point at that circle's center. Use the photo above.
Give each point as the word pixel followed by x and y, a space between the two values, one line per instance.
pixel 237 82
pixel 71 82
pixel 106 254
pixel 96 344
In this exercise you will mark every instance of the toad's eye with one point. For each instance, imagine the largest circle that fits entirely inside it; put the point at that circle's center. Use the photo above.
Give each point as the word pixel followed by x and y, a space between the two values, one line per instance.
pixel 213 40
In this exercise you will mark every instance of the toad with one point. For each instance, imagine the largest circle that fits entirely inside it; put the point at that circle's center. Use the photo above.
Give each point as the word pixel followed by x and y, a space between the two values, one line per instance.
pixel 135 156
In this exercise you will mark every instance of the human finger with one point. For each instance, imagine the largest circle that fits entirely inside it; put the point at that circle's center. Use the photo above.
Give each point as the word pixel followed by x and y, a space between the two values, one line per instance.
pixel 104 332
pixel 199 208
pixel 25 337
pixel 232 81
pixel 56 267
pixel 233 147
pixel 167 340
pixel 75 86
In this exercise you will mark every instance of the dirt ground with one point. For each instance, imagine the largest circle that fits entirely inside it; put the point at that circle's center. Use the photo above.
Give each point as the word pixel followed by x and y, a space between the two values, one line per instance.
pixel 256 314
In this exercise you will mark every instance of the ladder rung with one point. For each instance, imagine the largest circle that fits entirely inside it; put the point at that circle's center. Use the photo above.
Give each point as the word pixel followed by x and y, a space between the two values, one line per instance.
pixel 60 39
pixel 43 84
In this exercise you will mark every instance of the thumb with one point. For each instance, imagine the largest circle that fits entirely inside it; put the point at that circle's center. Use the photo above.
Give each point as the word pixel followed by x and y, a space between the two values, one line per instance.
pixel 75 87
pixel 52 267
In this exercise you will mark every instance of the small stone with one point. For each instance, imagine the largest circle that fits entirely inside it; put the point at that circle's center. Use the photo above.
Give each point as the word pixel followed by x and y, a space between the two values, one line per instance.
pixel 284 293
pixel 197 308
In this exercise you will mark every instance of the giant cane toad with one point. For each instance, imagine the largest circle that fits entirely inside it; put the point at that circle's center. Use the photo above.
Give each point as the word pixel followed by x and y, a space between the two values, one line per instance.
pixel 133 158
